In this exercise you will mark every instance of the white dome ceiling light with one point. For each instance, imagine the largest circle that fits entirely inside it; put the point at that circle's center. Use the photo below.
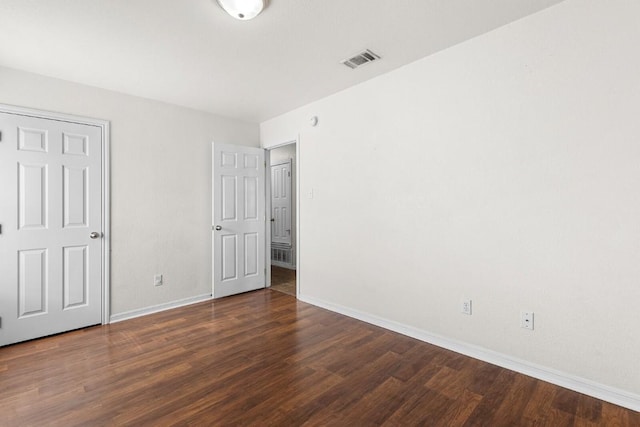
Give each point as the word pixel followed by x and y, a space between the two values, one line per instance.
pixel 242 9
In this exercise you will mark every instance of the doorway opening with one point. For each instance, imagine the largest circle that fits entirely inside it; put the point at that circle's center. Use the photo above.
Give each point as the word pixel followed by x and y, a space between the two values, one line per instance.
pixel 283 217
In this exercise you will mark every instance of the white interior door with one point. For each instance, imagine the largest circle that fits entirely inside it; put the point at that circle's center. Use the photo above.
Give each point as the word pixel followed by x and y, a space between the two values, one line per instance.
pixel 50 203
pixel 238 230
pixel 281 204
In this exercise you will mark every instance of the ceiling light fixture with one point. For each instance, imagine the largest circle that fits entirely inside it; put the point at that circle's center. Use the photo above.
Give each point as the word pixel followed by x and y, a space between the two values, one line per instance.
pixel 242 9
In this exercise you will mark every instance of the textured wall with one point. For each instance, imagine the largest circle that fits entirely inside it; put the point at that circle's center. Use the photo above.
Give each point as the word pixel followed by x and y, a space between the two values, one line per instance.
pixel 504 169
pixel 160 184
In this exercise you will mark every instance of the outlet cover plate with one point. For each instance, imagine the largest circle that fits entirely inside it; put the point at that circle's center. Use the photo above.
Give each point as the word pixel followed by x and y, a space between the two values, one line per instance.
pixel 465 307
pixel 526 320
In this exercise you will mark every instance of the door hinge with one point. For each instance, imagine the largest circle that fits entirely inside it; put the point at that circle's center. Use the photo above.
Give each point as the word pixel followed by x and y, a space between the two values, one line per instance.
pixel 0 136
pixel 288 173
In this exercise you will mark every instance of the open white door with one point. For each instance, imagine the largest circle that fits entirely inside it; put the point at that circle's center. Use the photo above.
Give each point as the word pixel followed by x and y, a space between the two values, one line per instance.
pixel 239 222
pixel 51 253
pixel 281 204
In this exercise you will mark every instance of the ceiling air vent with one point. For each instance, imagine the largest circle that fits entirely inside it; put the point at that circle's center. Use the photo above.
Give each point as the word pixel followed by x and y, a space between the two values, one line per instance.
pixel 360 59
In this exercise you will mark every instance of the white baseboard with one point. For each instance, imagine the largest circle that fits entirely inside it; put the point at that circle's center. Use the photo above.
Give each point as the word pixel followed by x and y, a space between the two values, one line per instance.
pixel 581 385
pixel 283 265
pixel 157 308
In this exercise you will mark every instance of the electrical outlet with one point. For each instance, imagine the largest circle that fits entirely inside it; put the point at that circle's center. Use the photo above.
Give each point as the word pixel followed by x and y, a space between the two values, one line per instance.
pixel 465 308
pixel 157 280
pixel 526 320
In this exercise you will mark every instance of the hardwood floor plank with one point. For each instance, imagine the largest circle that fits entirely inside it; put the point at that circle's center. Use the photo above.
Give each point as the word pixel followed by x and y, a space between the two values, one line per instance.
pixel 433 409
pixel 415 361
pixel 264 358
pixel 512 408
pixel 492 397
pixel 589 409
pixel 539 405
pixel 466 403
pixel 566 401
pixel 410 412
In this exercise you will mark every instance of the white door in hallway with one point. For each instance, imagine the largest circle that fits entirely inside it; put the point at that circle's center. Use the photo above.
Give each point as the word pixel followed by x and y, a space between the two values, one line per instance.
pixel 238 218
pixel 281 204
pixel 51 218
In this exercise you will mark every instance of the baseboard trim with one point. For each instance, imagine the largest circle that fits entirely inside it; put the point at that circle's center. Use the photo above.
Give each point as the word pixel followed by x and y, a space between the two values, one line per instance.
pixel 283 265
pixel 157 308
pixel 581 385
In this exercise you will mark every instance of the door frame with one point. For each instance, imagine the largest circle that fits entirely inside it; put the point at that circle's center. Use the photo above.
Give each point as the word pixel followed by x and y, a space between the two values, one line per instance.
pixel 296 207
pixel 106 199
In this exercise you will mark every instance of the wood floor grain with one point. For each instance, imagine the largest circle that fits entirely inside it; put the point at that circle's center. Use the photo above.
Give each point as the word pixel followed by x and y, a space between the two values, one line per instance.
pixel 264 358
pixel 283 280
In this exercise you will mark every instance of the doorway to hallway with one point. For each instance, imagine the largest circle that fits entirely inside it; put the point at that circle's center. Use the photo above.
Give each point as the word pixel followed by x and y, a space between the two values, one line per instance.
pixel 283 217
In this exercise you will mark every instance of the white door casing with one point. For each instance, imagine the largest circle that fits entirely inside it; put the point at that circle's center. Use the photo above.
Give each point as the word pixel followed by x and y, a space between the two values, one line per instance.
pixel 238 219
pixel 281 204
pixel 51 200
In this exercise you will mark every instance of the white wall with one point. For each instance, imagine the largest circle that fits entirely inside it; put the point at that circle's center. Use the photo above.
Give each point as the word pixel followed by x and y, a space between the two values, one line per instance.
pixel 279 155
pixel 505 169
pixel 160 184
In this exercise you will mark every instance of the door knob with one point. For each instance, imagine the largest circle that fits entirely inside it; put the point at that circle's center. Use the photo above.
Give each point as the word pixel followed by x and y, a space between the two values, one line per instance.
pixel 94 235
pixel 273 219
pixel 218 228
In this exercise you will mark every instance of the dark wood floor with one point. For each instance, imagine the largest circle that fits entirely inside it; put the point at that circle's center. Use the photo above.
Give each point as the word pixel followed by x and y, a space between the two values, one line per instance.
pixel 283 280
pixel 264 358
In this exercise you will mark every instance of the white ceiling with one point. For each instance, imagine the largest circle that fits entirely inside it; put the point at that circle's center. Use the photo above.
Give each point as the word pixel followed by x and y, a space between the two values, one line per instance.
pixel 190 53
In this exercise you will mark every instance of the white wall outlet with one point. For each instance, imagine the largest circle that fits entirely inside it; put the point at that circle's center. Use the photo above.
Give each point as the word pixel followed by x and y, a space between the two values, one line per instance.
pixel 526 320
pixel 157 280
pixel 465 307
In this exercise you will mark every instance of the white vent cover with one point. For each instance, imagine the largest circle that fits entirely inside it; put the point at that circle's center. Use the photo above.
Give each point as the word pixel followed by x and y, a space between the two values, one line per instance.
pixel 360 59
pixel 282 255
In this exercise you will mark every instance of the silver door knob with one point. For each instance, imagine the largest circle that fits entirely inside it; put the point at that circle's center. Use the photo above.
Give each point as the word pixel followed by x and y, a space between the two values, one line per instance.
pixel 94 235
pixel 218 228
